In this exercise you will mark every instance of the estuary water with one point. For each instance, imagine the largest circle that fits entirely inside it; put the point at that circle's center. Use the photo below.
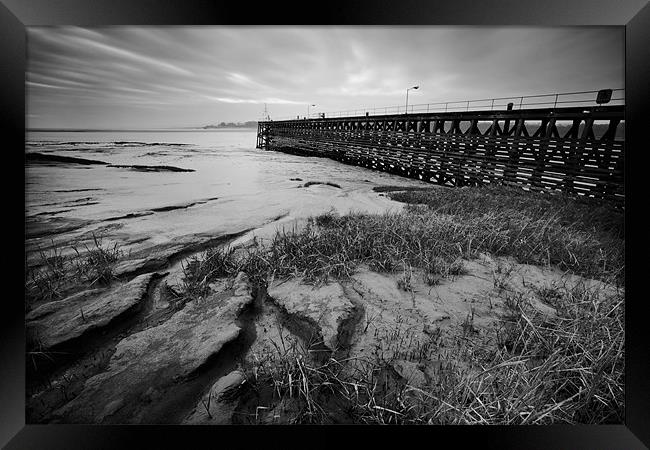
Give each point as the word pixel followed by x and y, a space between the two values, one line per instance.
pixel 233 187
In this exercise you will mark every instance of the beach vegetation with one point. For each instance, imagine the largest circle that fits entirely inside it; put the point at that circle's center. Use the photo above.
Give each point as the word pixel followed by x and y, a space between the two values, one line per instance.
pixel 65 268
pixel 531 368
pixel 436 231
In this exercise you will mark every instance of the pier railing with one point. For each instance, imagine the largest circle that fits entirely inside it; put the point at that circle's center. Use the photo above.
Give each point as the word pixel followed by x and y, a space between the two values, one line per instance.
pixel 578 150
pixel 554 100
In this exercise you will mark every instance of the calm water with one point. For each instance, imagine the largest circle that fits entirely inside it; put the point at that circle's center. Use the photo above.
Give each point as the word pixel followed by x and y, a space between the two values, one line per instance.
pixel 234 187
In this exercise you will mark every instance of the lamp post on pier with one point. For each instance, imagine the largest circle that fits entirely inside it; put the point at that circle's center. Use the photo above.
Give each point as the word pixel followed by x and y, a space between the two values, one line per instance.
pixel 406 110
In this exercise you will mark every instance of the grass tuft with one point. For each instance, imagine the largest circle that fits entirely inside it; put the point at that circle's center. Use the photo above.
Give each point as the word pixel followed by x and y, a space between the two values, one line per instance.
pixel 56 274
pixel 96 264
pixel 203 269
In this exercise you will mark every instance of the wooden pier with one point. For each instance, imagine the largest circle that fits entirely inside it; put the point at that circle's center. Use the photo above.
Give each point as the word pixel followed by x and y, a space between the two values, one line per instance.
pixel 577 150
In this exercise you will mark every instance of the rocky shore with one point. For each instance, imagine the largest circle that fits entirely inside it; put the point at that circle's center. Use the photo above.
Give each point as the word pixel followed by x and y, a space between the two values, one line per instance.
pixel 209 334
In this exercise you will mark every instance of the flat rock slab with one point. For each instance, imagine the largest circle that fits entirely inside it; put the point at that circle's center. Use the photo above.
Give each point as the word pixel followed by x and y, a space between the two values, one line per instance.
pixel 50 307
pixel 216 407
pixel 141 168
pixel 46 227
pixel 57 322
pixel 48 158
pixel 155 358
pixel 410 372
pixel 326 306
pixel 130 266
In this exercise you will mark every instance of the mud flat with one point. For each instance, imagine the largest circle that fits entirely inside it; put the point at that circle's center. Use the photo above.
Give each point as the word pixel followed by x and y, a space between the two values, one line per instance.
pixel 470 306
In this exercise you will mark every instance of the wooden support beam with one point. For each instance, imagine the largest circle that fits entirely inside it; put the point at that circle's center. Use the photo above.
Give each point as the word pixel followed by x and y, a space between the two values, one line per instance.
pixel 418 146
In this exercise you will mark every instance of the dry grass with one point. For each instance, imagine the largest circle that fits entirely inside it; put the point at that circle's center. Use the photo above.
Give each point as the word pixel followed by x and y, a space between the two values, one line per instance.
pixel 96 263
pixel 56 275
pixel 541 371
pixel 202 269
pixel 332 247
pixel 445 226
pixel 574 234
pixel 529 370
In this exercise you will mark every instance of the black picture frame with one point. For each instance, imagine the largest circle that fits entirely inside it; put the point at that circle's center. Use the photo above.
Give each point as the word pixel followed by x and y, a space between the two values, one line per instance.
pixel 15 15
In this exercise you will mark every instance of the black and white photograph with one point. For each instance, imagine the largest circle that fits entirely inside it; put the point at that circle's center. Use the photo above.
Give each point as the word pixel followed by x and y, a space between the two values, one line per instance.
pixel 287 225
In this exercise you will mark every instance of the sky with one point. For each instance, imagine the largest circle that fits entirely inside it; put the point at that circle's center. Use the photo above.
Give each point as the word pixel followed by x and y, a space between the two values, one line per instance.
pixel 148 77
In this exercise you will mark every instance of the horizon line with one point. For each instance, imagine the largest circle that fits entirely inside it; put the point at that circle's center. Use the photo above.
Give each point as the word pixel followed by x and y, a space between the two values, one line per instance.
pixel 204 127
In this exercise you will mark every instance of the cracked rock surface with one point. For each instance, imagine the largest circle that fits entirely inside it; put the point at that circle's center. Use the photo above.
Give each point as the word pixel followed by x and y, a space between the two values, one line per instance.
pixel 60 321
pixel 326 306
pixel 157 357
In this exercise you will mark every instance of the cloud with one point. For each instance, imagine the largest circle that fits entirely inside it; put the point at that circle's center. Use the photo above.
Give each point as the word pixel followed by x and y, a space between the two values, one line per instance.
pixel 44 85
pixel 131 56
pixel 187 76
pixel 275 101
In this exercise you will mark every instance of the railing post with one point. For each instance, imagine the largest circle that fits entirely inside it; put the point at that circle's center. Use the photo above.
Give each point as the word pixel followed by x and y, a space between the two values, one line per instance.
pixel 506 125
